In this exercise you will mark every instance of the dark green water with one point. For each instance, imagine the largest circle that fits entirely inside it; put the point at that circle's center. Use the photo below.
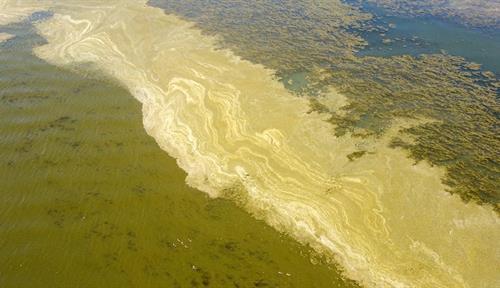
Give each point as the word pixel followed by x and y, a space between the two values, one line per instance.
pixel 87 199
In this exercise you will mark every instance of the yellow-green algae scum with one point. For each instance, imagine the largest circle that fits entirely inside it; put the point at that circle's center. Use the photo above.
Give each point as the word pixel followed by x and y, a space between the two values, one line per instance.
pixel 239 134
pixel 312 45
pixel 88 199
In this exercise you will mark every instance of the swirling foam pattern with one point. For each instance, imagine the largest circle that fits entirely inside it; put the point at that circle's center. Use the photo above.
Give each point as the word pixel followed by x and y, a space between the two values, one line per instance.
pixel 238 133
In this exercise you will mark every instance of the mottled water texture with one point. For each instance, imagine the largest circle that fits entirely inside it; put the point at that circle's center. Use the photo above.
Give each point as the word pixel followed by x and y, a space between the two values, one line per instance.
pixel 241 134
pixel 407 35
pixel 88 199
pixel 313 38
pixel 474 13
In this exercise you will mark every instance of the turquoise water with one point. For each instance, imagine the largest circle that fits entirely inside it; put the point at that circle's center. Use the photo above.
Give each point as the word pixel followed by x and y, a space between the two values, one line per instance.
pixel 427 35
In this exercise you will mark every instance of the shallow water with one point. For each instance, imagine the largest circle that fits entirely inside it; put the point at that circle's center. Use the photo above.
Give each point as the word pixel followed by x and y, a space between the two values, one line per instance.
pixel 88 199
pixel 426 35
pixel 240 134
pixel 312 47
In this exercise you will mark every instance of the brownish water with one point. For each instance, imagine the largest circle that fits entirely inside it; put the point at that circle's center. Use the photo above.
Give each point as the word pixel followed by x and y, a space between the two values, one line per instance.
pixel 88 199
pixel 240 135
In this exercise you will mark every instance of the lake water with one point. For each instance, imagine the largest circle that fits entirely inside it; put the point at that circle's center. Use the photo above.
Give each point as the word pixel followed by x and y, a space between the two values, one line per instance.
pixel 426 35
pixel 88 199
pixel 237 144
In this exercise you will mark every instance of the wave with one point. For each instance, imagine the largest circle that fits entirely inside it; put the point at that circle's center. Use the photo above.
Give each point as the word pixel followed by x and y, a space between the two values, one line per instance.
pixel 239 134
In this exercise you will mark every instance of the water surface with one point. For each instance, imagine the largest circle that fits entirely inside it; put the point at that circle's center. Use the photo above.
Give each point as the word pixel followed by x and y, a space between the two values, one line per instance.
pixel 88 199
pixel 324 168
pixel 427 35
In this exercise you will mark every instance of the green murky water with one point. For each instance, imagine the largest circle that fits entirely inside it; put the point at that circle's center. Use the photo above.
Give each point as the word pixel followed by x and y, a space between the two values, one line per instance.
pixel 87 199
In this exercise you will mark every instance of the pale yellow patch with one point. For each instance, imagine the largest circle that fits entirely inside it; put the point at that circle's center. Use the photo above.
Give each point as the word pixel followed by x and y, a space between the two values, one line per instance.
pixel 15 11
pixel 5 36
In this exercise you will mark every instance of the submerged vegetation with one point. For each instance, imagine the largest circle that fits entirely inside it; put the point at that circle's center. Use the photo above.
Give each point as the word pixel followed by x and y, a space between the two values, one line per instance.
pixel 484 13
pixel 309 136
pixel 455 102
pixel 85 187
